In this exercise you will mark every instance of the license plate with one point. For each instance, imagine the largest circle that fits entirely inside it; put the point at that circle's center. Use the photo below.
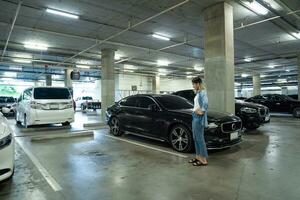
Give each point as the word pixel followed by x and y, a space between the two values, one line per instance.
pixel 53 106
pixel 267 118
pixel 234 136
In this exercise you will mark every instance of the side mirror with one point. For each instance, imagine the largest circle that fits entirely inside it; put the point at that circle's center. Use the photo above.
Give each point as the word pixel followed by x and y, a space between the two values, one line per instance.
pixel 5 110
pixel 153 107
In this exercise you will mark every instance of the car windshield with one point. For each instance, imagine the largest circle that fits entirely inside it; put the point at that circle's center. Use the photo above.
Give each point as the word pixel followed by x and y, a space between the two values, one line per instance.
pixel 51 93
pixel 87 98
pixel 7 100
pixel 174 102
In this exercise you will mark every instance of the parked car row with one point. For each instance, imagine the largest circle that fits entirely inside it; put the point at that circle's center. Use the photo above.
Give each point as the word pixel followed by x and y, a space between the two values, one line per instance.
pixel 252 115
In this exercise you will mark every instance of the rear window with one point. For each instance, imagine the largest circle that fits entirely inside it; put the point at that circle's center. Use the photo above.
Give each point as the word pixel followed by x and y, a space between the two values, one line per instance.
pixel 7 100
pixel 87 98
pixel 51 93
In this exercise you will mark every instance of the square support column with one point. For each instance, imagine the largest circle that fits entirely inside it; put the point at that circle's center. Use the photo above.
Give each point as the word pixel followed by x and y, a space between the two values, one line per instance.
pixel 156 85
pixel 219 57
pixel 256 84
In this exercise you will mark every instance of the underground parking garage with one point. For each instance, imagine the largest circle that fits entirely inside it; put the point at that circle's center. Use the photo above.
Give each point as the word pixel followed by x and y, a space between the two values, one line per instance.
pixel 183 99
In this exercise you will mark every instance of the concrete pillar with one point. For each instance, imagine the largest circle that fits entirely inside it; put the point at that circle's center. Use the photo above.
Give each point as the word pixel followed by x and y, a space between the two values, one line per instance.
pixel 107 79
pixel 156 85
pixel 298 76
pixel 256 85
pixel 219 57
pixel 68 80
pixel 48 80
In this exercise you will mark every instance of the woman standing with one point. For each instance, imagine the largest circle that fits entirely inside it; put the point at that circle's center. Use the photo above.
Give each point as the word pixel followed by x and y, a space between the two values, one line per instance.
pixel 199 122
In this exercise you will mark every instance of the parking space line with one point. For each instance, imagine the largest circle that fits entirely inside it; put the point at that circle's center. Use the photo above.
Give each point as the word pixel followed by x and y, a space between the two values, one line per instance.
pixel 146 146
pixel 51 181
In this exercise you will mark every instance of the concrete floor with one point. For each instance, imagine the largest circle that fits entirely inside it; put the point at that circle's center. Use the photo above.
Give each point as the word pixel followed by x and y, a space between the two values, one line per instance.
pixel 264 166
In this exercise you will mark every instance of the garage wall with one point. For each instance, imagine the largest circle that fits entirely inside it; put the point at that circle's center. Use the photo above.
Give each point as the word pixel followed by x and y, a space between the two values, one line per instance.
pixel 172 85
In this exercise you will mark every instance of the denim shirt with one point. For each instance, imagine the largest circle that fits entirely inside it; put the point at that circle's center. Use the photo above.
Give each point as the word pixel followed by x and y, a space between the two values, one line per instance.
pixel 203 102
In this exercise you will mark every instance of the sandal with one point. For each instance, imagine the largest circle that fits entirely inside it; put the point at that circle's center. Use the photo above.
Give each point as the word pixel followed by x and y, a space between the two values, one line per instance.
pixel 198 163
pixel 193 160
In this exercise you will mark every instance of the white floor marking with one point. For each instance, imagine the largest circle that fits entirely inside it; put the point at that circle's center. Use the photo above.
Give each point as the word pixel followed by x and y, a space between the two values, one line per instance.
pixel 51 181
pixel 146 146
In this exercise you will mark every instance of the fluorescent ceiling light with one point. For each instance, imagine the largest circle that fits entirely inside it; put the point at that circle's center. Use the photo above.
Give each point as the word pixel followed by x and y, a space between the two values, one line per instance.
pixel 189 72
pixel 129 71
pixel 287 70
pixel 262 76
pixel 118 56
pixel 257 7
pixel 22 61
pixel 61 13
pixel 198 68
pixel 10 74
pixel 247 59
pixel 271 66
pixel 83 66
pixel 162 70
pixel 237 84
pixel 189 77
pixel 132 67
pixel 245 75
pixel 163 63
pixel 35 46
pixel 282 80
pixel 297 35
pixel 162 74
pixel 14 68
pixel 158 36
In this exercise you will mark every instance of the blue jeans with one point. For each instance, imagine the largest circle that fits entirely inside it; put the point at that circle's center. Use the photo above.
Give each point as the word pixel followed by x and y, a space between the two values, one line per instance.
pixel 198 134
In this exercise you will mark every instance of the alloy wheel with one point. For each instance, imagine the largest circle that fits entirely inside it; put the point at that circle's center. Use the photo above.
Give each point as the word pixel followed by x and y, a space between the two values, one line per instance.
pixel 115 127
pixel 179 138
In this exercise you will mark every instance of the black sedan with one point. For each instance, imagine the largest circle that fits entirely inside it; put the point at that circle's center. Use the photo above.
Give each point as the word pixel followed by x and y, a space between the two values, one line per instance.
pixel 252 115
pixel 278 103
pixel 169 118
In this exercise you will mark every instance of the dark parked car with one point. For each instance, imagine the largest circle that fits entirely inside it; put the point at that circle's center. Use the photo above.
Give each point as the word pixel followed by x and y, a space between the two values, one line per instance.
pixel 252 115
pixel 8 102
pixel 240 98
pixel 169 118
pixel 278 103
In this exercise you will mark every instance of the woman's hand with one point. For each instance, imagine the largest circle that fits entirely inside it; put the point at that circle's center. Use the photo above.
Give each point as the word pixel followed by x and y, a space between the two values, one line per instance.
pixel 199 111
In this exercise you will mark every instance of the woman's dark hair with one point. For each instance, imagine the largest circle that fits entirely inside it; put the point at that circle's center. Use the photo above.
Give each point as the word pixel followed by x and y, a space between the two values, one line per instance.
pixel 197 80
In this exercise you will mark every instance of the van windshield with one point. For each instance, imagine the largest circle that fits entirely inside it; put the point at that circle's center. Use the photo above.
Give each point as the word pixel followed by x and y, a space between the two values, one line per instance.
pixel 51 93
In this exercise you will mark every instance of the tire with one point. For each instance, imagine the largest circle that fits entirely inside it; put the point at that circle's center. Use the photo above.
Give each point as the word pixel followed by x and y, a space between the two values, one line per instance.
pixel 16 118
pixel 296 112
pixel 25 121
pixel 66 123
pixel 114 126
pixel 181 139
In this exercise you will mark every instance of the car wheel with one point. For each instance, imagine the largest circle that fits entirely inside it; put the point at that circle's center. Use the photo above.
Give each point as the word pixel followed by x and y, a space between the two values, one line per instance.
pixel 82 107
pixel 16 118
pixel 296 113
pixel 115 127
pixel 25 122
pixel 66 123
pixel 181 139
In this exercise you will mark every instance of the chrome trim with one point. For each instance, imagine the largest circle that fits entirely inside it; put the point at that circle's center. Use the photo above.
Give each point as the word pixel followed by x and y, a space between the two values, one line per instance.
pixel 265 111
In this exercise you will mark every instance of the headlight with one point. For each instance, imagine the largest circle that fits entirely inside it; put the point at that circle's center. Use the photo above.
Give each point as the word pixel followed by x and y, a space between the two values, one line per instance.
pixel 212 125
pixel 248 110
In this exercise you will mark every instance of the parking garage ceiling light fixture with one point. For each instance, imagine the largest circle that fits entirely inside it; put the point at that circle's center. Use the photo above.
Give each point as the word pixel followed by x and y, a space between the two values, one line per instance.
pixel 271 66
pixel 198 68
pixel 247 59
pixel 163 63
pixel 130 67
pixel 35 46
pixel 244 75
pixel 257 7
pixel 83 66
pixel 161 37
pixel 10 74
pixel 22 61
pixel 297 35
pixel 262 76
pixel 62 13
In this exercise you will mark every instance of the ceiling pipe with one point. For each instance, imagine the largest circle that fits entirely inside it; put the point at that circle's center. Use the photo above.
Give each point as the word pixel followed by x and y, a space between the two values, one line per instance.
pixel 11 28
pixel 125 30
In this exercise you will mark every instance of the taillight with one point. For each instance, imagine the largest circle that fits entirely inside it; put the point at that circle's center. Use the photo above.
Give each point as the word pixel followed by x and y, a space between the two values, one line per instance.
pixel 35 105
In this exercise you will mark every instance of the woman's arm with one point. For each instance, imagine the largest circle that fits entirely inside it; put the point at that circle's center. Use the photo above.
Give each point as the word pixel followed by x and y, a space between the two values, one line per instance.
pixel 203 102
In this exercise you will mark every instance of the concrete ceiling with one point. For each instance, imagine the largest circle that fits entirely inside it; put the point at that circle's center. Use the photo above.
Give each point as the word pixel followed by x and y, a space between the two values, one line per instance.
pixel 268 43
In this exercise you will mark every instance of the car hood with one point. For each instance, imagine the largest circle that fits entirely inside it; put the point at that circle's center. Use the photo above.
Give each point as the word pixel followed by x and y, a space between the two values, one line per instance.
pixel 242 103
pixel 213 116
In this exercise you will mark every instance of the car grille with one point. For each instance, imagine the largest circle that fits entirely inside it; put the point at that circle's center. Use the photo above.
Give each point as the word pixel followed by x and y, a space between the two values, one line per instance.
pixel 231 127
pixel 263 112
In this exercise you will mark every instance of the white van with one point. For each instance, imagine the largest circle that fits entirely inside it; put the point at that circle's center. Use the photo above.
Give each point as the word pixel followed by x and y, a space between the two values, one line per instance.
pixel 45 105
pixel 7 149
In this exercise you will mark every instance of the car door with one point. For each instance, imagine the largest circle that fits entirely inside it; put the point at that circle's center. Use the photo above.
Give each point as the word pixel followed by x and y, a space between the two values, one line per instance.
pixel 145 118
pixel 280 104
pixel 126 114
